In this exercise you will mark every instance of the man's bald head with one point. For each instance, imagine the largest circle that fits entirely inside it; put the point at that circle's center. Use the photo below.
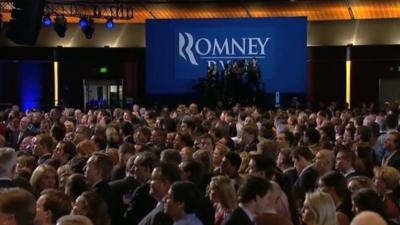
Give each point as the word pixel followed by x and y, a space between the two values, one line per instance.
pixel 367 218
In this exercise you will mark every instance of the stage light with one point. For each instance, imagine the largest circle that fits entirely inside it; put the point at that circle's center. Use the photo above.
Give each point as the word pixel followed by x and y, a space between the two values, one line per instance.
pixel 110 23
pixel 83 22
pixel 46 21
pixel 88 29
pixel 60 26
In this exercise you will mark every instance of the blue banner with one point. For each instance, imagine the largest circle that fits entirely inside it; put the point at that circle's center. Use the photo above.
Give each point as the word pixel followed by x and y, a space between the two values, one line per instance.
pixel 180 51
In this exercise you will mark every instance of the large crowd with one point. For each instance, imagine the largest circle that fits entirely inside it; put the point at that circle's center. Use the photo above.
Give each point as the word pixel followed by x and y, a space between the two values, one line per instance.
pixel 200 166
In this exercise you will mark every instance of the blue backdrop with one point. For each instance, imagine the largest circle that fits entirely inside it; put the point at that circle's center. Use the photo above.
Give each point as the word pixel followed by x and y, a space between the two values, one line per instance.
pixel 178 52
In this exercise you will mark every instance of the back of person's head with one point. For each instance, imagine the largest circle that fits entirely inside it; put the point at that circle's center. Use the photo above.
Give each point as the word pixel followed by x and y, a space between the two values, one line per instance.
pixel 205 159
pixel 8 161
pixel 391 121
pixel 171 156
pixel 86 148
pixel 57 131
pixel 234 159
pixel 268 148
pixel 126 128
pixel 96 208
pixel 323 206
pixel 304 152
pixel 364 133
pixel 19 203
pixel 104 163
pixel 74 220
pixel 193 169
pixel 366 199
pixel 251 129
pixel 337 181
pixel 75 185
pixel 264 165
pixel 187 193
pixel 253 187
pixel 313 135
pixel 368 218
pixel 169 172
pixel 58 203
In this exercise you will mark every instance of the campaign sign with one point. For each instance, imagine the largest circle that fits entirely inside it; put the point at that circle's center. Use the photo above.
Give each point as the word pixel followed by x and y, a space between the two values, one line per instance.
pixel 179 51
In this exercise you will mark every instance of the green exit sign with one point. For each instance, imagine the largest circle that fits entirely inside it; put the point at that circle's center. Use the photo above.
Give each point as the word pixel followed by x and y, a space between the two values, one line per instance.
pixel 103 70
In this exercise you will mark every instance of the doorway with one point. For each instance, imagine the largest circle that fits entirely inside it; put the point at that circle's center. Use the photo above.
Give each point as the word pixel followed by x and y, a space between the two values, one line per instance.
pixel 102 93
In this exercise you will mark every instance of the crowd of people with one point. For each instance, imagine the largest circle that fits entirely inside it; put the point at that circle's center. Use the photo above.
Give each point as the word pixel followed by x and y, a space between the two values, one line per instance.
pixel 200 166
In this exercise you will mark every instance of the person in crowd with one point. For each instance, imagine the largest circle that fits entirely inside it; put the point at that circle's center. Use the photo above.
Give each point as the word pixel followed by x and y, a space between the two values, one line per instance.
pixel 324 161
pixel 366 199
pixel 230 166
pixel 42 147
pixel 139 200
pixel 223 195
pixel 251 198
pixel 43 177
pixel 319 209
pixel 98 173
pixel 392 147
pixel 17 207
pixel 367 217
pixel 345 161
pixel 75 185
pixel 64 152
pixel 355 183
pixel 307 175
pixel 334 184
pixel 181 203
pixel 74 220
pixel 162 177
pixel 8 162
pixel 92 206
pixel 50 206
pixel 386 183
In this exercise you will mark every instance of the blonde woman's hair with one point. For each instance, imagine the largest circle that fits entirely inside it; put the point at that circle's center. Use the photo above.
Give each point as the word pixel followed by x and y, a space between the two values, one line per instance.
pixel 38 174
pixel 389 175
pixel 323 206
pixel 226 191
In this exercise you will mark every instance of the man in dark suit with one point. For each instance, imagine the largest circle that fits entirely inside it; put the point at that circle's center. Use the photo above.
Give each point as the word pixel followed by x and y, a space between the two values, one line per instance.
pixel 98 172
pixel 162 177
pixel 122 187
pixel 140 200
pixel 345 159
pixel 392 145
pixel 252 196
pixel 16 137
pixel 42 147
pixel 303 157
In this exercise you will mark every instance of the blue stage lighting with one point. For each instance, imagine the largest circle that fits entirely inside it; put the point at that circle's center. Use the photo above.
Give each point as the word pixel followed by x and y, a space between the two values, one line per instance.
pixel 46 21
pixel 110 23
pixel 83 22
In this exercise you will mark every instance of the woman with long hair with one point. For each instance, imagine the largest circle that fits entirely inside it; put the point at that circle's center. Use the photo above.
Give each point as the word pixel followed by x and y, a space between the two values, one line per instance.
pixel 222 194
pixel 319 209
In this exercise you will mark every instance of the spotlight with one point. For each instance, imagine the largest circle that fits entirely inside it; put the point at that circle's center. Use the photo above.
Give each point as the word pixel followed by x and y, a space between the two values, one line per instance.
pixel 46 21
pixel 83 22
pixel 88 29
pixel 60 26
pixel 110 23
